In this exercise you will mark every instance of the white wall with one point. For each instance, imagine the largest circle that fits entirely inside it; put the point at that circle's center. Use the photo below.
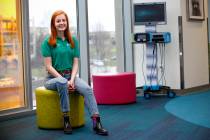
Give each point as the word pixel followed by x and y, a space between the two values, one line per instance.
pixel 172 49
pixel 195 44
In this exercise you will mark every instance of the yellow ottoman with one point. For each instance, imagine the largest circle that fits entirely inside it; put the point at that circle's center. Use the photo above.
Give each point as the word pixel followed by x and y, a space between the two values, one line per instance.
pixel 48 111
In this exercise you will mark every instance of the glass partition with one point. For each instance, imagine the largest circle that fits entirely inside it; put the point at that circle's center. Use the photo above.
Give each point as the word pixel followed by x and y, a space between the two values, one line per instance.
pixel 12 93
pixel 105 36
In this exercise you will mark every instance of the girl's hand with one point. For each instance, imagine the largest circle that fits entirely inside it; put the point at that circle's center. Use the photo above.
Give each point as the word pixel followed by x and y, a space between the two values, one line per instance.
pixel 71 86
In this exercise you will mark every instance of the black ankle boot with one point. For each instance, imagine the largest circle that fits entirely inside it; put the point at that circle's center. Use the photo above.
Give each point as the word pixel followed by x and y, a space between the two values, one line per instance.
pixel 97 127
pixel 67 126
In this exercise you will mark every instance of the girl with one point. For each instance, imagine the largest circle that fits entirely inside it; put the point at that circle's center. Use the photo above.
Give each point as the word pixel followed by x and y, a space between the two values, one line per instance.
pixel 61 56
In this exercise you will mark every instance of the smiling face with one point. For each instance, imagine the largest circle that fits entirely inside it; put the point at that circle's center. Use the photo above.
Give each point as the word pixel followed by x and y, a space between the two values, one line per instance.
pixel 60 23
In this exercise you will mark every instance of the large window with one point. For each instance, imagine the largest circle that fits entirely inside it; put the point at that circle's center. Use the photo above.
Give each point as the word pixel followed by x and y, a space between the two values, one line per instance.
pixel 105 36
pixel 40 15
pixel 11 61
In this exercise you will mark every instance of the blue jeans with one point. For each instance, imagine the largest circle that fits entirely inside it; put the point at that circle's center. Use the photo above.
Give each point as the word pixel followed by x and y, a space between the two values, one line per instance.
pixel 59 84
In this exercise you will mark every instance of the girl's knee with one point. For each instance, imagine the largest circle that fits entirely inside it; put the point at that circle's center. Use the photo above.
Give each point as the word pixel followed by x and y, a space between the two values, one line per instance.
pixel 62 81
pixel 88 91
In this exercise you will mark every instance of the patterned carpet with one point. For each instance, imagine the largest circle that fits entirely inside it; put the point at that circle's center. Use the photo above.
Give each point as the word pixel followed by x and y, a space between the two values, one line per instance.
pixel 143 120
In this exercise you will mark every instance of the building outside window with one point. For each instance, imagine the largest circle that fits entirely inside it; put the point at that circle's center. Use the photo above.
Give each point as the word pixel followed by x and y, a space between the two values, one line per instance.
pixel 105 30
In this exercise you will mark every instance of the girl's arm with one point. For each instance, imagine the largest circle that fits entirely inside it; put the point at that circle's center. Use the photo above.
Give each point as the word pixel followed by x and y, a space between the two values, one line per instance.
pixel 73 74
pixel 74 68
pixel 49 67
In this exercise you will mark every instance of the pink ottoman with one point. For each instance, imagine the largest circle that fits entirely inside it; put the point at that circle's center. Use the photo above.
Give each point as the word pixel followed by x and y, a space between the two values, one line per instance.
pixel 119 88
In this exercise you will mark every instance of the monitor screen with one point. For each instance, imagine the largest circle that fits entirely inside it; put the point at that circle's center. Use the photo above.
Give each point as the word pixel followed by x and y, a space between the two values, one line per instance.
pixel 150 13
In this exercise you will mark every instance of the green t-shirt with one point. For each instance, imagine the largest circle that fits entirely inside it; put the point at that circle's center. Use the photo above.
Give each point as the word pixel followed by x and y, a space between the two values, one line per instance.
pixel 62 55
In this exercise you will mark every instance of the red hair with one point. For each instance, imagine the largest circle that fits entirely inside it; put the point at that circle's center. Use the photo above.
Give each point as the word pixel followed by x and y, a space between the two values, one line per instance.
pixel 67 34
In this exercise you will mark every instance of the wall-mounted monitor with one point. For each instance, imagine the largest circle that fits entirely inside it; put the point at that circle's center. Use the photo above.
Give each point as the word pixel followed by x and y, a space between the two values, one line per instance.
pixel 150 13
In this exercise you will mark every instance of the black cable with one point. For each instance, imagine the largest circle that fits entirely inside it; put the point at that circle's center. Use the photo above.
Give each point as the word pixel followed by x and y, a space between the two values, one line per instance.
pixel 153 63
pixel 143 64
pixel 150 75
pixel 164 48
pixel 156 60
pixel 161 63
pixel 158 45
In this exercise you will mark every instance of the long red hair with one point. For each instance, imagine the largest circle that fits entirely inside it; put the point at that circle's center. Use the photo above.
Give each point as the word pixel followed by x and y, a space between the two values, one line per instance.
pixel 67 34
